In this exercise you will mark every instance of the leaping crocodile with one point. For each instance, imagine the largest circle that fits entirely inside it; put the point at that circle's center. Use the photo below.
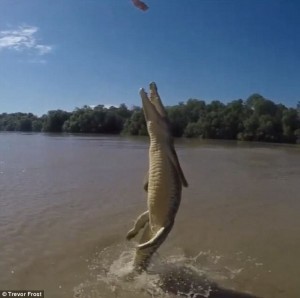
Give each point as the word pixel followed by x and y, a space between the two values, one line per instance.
pixel 164 183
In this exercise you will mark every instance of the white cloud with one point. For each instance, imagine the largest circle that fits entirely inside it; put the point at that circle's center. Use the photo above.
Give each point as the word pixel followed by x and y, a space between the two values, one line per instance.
pixel 107 106
pixel 23 38
pixel 37 61
pixel 42 49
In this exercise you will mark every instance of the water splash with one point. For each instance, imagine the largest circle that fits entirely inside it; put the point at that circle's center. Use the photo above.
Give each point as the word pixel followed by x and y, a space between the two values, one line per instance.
pixel 173 276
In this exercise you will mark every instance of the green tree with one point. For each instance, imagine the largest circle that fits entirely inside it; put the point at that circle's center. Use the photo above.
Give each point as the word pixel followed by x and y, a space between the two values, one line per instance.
pixel 113 123
pixel 192 130
pixel 212 125
pixel 234 113
pixel 37 125
pixel 290 124
pixel 195 109
pixel 54 120
pixel 123 111
pixel 256 119
pixel 24 124
pixel 178 119
pixel 136 124
pixel 260 105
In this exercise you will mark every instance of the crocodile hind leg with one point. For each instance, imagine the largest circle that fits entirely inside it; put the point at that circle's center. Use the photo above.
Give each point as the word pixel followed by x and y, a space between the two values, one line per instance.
pixel 157 238
pixel 138 225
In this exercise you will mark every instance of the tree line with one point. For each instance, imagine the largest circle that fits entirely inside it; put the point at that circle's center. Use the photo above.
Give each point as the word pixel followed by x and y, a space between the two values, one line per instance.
pixel 253 119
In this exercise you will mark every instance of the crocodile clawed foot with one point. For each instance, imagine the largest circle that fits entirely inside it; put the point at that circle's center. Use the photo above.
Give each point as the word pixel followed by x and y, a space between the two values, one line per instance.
pixel 131 234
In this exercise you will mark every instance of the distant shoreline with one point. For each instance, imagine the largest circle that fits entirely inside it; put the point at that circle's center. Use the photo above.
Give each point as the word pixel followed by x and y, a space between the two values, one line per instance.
pixel 256 119
pixel 177 139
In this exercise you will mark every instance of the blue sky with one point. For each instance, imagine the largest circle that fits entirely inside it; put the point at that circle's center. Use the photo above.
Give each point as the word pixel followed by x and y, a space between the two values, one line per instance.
pixel 62 54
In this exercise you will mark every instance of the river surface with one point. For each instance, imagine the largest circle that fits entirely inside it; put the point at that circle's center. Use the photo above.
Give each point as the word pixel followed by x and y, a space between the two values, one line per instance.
pixel 67 202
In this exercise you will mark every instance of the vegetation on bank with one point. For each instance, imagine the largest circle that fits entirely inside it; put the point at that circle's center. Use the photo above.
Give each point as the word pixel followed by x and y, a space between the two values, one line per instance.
pixel 255 119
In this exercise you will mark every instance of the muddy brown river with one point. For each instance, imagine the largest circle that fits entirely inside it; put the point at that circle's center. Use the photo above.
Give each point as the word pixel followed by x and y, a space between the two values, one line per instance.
pixel 67 202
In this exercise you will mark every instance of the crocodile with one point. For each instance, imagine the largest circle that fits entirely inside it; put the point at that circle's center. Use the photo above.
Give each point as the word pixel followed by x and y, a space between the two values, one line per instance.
pixel 164 182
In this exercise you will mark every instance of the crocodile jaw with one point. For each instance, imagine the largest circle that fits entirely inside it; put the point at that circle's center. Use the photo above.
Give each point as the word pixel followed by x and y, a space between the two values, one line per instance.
pixel 155 115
